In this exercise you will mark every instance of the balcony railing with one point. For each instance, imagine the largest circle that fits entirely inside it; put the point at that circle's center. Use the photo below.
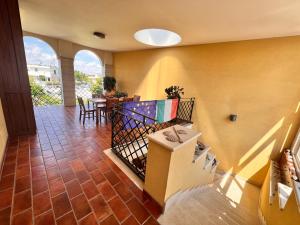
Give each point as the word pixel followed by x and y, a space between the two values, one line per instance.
pixel 46 94
pixel 129 134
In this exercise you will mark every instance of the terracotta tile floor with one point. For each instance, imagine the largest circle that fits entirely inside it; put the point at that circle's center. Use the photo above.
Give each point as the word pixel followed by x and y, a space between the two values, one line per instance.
pixel 61 176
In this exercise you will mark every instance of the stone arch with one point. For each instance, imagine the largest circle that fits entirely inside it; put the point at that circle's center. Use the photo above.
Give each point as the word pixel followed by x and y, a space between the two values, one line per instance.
pixel 44 71
pixel 88 72
pixel 51 42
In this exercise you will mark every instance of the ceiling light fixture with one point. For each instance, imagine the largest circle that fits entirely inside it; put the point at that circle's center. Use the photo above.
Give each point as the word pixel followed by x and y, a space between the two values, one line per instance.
pixel 99 34
pixel 157 37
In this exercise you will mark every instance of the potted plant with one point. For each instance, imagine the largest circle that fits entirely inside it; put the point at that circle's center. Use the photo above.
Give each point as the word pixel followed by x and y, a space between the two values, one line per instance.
pixel 174 92
pixel 120 94
pixel 109 83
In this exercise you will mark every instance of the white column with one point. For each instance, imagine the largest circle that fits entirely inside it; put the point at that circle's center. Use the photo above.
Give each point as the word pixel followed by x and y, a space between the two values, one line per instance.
pixel 68 81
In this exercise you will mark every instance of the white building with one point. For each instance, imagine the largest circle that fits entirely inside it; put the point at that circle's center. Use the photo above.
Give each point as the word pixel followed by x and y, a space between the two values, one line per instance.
pixel 41 72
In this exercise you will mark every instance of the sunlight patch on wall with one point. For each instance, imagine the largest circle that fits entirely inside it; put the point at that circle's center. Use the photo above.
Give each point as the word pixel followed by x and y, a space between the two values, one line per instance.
pixel 258 162
pixel 262 141
pixel 286 137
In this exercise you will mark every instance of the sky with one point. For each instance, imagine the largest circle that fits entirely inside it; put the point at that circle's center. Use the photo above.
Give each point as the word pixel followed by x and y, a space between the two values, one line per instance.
pixel 40 53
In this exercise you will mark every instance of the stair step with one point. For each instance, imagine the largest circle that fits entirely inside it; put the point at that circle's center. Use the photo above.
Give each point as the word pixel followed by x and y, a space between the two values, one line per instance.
pixel 214 166
pixel 209 160
pixel 202 154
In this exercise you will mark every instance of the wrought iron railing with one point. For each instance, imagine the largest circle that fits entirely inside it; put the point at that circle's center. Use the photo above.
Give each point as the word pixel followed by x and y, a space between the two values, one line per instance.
pixel 129 134
pixel 185 109
pixel 46 93
pixel 87 88
pixel 83 90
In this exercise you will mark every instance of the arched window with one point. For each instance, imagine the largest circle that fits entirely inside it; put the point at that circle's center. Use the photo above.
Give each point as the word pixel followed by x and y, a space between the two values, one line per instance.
pixel 88 72
pixel 43 72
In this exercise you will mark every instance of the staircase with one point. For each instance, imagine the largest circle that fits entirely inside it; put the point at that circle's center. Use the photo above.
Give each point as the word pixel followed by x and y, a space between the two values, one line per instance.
pixel 213 204
pixel 175 166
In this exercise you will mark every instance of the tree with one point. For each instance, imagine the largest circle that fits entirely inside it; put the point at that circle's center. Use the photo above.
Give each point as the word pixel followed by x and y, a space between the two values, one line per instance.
pixel 81 77
pixel 36 89
pixel 42 77
pixel 40 96
pixel 97 87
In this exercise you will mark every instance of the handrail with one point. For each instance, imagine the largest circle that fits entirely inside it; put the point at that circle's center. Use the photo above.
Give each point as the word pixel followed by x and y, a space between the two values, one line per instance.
pixel 128 130
pixel 138 114
pixel 145 116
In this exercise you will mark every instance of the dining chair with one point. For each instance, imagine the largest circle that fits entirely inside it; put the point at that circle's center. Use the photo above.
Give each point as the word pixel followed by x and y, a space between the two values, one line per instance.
pixel 107 110
pixel 136 98
pixel 126 99
pixel 85 113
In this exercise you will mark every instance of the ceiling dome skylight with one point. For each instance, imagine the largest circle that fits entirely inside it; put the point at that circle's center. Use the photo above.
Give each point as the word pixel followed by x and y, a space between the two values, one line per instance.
pixel 157 37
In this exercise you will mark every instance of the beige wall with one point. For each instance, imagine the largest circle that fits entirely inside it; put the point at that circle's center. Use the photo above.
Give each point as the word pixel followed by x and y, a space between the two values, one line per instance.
pixel 259 80
pixel 3 134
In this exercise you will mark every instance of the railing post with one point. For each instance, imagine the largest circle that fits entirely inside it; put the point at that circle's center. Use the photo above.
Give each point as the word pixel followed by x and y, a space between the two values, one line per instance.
pixel 112 127
pixel 191 113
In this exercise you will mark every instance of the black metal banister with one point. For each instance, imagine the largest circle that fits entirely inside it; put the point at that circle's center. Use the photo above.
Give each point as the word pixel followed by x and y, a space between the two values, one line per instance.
pixel 129 134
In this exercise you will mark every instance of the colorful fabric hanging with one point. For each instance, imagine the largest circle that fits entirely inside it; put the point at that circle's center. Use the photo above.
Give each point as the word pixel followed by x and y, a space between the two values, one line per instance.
pixel 159 110
pixel 135 110
pixel 166 110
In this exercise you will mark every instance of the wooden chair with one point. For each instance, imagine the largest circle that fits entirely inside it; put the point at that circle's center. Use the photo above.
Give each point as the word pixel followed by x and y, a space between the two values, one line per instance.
pixel 127 99
pixel 107 110
pixel 136 98
pixel 86 113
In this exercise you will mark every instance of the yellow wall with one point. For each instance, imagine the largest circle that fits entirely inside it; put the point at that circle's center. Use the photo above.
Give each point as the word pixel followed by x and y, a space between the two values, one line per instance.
pixel 259 80
pixel 3 134
pixel 272 214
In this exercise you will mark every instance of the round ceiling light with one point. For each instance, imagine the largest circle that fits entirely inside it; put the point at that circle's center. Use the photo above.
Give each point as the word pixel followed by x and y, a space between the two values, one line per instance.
pixel 157 37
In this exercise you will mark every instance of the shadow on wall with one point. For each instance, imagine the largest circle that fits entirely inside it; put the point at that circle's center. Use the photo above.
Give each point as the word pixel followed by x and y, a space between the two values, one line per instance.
pixel 255 162
pixel 227 78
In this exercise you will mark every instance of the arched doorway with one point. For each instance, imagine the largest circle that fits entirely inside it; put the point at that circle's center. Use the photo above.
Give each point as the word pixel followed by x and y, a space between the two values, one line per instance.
pixel 88 72
pixel 43 71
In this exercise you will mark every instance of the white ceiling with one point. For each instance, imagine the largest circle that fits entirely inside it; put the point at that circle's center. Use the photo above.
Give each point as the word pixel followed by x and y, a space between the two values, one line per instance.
pixel 197 21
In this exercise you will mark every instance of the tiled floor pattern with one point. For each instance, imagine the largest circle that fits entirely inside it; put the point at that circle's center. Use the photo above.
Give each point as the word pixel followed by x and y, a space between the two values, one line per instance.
pixel 61 176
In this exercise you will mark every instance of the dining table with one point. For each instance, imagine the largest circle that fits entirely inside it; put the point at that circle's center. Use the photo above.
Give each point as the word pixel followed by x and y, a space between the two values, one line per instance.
pixel 98 102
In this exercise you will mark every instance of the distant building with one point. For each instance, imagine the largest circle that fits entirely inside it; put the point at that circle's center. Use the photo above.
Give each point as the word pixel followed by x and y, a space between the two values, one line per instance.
pixel 43 73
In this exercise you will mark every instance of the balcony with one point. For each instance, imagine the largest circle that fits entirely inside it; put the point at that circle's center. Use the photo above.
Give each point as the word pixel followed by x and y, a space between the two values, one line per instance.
pixel 222 158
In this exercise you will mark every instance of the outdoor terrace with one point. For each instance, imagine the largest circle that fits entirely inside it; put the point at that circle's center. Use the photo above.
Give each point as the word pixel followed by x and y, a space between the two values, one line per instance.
pixel 61 174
